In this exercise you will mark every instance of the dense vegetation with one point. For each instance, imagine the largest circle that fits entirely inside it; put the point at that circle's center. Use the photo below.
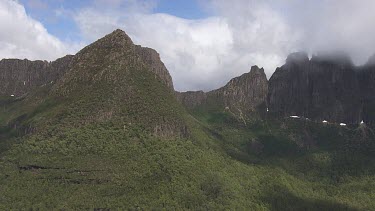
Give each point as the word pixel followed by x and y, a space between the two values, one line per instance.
pixel 114 137
pixel 224 164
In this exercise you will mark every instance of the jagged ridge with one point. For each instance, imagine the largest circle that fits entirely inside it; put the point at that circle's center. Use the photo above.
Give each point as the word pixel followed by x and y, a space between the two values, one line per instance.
pixel 241 95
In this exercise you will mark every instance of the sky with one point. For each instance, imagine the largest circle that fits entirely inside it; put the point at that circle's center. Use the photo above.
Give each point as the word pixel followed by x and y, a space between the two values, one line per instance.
pixel 203 43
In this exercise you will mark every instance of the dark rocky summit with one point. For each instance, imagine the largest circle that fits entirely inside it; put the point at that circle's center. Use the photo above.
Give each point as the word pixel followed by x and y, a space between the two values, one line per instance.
pixel 323 88
pixel 241 95
pixel 366 80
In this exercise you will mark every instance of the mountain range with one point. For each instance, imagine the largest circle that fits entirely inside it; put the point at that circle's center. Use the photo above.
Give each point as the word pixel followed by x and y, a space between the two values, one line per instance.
pixel 105 129
pixel 326 87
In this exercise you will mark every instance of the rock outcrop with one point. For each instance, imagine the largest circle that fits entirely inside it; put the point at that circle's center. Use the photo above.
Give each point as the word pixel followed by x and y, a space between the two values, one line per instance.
pixel 323 88
pixel 17 77
pixel 244 93
pixel 241 95
pixel 152 58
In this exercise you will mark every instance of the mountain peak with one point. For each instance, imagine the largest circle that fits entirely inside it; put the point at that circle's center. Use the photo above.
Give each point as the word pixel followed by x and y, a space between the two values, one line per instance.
pixel 116 39
pixel 256 70
pixel 118 34
pixel 117 49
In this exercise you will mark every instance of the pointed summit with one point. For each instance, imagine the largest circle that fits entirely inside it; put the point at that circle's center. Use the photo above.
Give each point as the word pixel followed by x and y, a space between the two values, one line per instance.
pixel 115 41
pixel 255 70
pixel 111 58
pixel 117 36
pixel 241 96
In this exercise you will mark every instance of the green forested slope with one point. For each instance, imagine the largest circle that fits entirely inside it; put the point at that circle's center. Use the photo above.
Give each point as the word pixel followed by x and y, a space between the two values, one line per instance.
pixel 111 135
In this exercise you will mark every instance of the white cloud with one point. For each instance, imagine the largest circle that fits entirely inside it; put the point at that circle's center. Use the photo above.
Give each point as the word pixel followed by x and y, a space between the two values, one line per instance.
pixel 193 51
pixel 200 54
pixel 311 25
pixel 206 53
pixel 345 25
pixel 262 36
pixel 23 37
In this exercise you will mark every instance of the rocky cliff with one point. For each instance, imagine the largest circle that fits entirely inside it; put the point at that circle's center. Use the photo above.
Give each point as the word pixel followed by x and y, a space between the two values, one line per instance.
pixel 152 58
pixel 366 80
pixel 17 77
pixel 245 93
pixel 241 95
pixel 323 88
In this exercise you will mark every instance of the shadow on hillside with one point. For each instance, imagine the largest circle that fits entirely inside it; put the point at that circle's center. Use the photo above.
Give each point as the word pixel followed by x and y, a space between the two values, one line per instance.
pixel 281 199
pixel 7 136
pixel 271 146
pixel 232 151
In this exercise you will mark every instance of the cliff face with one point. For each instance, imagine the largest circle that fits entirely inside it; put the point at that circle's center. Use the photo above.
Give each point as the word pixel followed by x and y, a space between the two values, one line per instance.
pixel 18 77
pixel 323 88
pixel 191 99
pixel 152 59
pixel 366 80
pixel 288 88
pixel 241 95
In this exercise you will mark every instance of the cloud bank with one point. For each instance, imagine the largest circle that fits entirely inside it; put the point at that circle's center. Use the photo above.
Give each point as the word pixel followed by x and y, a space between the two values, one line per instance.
pixel 200 54
pixel 204 54
pixel 23 37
